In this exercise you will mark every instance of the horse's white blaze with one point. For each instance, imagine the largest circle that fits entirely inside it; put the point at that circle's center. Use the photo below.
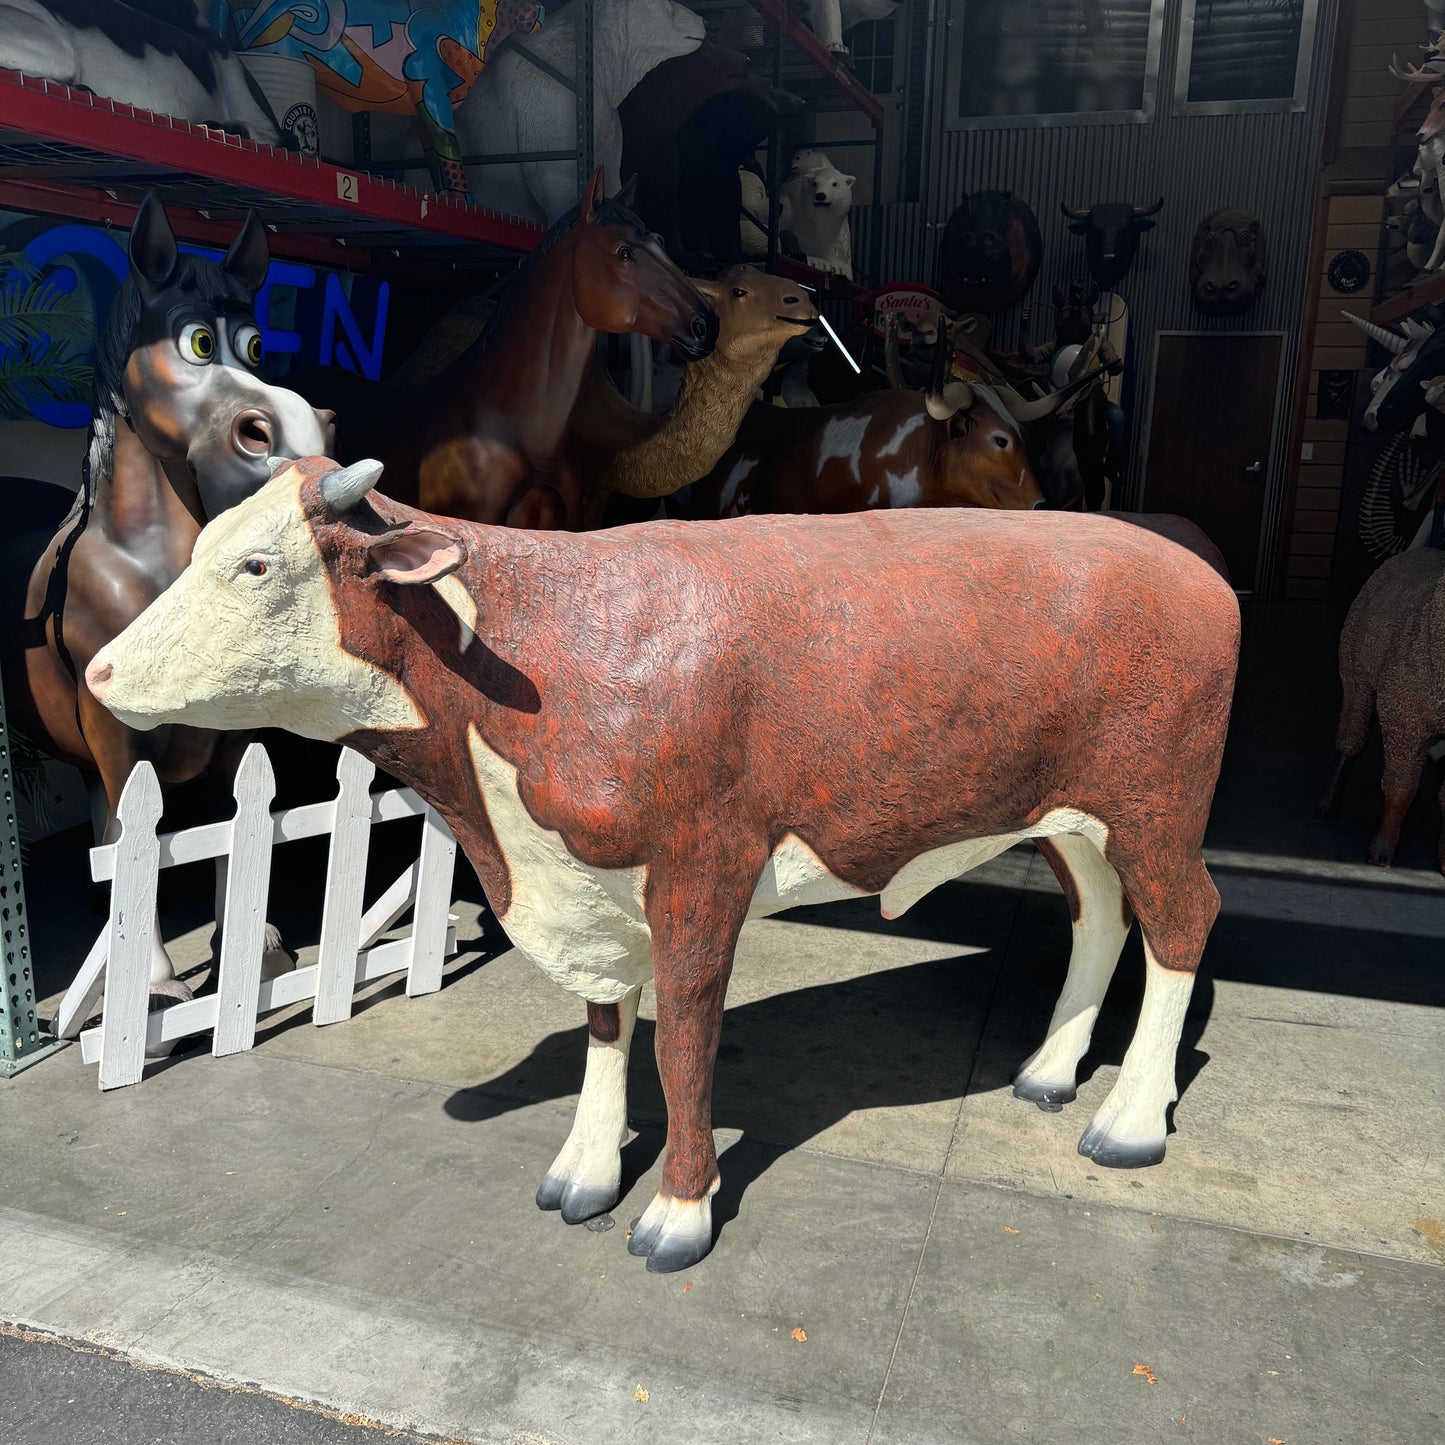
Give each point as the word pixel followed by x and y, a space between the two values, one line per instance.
pixel 591 1159
pixel 843 437
pixel 1099 934
pixel 1135 1109
pixel 451 591
pixel 902 435
pixel 223 649
pixel 904 491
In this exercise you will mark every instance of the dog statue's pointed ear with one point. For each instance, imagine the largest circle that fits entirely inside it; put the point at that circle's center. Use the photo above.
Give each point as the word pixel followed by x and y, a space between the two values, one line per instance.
pixel 153 253
pixel 249 258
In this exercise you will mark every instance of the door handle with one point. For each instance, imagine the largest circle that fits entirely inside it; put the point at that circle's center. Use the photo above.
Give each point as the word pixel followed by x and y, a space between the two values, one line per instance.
pixel 1254 468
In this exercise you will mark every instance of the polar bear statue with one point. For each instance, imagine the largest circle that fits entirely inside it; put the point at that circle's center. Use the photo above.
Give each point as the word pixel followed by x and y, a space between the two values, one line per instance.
pixel 816 199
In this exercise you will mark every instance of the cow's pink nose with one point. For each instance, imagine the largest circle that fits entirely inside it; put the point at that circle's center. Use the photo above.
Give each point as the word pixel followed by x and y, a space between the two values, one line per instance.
pixel 98 679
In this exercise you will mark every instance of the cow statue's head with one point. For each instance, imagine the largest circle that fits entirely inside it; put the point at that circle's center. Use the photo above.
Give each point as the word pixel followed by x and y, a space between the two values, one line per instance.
pixel 1111 234
pixel 287 614
pixel 1227 262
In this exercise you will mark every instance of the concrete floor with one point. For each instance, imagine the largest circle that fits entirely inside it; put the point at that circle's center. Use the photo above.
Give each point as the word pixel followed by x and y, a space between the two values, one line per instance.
pixel 345 1215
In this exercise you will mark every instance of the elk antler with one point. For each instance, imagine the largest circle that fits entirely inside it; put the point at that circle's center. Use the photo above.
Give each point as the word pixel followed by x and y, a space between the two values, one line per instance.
pixel 1023 410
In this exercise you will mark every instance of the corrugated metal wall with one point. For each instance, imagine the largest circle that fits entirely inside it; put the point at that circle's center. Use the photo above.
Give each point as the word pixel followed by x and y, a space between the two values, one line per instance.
pixel 1265 164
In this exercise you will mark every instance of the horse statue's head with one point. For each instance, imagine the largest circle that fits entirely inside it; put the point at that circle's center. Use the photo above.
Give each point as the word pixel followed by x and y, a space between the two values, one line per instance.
pixel 179 364
pixel 623 280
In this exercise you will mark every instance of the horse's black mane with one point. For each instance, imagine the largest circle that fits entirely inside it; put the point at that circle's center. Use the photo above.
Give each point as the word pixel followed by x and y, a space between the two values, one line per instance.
pixel 208 284
pixel 610 212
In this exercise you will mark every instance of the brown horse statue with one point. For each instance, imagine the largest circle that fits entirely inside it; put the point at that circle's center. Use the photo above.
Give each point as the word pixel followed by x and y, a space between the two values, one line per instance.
pixel 483 441
pixel 182 424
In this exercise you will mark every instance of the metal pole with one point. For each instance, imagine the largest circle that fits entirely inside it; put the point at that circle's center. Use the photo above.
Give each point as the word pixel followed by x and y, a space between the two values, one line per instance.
pixel 775 160
pixel 21 1043
pixel 582 70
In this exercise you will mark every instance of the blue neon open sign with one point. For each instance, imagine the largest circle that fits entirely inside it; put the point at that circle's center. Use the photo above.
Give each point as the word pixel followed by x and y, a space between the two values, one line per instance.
pixel 307 316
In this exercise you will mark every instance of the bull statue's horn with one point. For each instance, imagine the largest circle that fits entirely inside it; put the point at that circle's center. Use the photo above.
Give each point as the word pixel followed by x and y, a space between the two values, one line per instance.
pixel 1072 212
pixel 346 486
pixel 956 396
pixel 1388 339
pixel 1142 211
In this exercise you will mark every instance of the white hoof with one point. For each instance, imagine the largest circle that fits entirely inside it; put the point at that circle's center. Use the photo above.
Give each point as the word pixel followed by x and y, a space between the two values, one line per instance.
pixel 674 1233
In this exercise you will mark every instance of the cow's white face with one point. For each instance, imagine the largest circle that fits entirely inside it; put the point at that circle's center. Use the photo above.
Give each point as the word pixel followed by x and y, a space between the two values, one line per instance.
pixel 248 636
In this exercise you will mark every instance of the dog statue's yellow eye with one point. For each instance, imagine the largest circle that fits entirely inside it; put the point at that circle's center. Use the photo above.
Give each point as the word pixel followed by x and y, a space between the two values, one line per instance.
pixel 248 344
pixel 197 342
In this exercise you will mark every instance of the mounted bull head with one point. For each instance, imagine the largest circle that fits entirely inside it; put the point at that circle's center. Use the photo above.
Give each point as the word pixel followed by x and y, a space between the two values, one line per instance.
pixel 1111 234
pixel 992 251
pixel 1227 262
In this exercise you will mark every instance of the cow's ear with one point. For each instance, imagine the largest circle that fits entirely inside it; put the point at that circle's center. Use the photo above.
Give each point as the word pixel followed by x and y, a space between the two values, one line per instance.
pixel 249 259
pixel 413 555
pixel 711 291
pixel 1143 223
pixel 153 253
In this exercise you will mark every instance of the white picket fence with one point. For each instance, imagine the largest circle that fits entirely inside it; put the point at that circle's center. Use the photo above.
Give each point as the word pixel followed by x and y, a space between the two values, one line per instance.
pixel 348 954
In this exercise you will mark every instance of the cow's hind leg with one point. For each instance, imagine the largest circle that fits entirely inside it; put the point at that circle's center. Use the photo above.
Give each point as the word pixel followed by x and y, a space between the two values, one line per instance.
pixel 1176 903
pixel 585 1179
pixel 1407 742
pixel 1101 924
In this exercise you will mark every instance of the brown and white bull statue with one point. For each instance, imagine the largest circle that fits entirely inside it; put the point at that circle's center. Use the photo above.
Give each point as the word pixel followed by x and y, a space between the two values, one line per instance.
pixel 646 736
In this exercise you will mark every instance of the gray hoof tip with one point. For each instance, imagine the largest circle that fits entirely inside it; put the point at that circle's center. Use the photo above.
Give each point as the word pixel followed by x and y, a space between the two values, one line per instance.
pixel 669 1256
pixel 1051 1101
pixel 1121 1156
pixel 580 1205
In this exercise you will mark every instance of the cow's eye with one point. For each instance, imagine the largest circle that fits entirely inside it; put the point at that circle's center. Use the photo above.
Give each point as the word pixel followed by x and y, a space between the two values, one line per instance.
pixel 255 566
pixel 248 344
pixel 197 343
pixel 1001 441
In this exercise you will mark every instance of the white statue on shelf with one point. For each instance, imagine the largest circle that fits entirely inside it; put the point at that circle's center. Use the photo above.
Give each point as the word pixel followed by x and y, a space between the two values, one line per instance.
pixel 125 54
pixel 816 199
pixel 517 107
pixel 832 19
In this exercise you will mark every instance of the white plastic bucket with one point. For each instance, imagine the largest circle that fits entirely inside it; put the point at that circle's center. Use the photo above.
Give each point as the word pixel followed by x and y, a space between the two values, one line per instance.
pixel 290 87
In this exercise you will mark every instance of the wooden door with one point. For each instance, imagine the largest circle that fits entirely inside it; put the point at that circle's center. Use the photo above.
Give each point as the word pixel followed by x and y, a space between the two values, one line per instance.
pixel 1209 439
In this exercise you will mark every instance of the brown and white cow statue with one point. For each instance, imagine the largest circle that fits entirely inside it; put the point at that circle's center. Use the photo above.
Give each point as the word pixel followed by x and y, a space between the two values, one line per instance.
pixel 646 736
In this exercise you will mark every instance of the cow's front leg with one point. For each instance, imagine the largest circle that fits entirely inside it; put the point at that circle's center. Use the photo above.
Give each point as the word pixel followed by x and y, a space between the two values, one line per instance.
pixel 692 948
pixel 585 1179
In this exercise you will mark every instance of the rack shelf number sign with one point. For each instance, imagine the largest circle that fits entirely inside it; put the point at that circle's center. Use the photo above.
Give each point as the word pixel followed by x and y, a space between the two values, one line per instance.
pixel 347 188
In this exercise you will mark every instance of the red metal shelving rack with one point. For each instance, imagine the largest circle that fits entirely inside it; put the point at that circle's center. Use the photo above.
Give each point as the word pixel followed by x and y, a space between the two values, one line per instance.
pixel 73 153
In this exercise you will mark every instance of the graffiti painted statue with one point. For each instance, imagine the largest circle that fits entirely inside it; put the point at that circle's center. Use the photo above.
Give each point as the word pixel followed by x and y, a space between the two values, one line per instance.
pixel 372 56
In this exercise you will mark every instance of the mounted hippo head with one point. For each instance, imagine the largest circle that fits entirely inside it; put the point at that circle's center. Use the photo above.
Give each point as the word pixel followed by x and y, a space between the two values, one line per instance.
pixel 1111 234
pixel 992 251
pixel 1227 263
pixel 179 362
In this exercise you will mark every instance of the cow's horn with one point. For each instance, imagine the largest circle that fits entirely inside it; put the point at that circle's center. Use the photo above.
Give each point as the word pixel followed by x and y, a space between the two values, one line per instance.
pixel 1071 213
pixel 1140 212
pixel 957 396
pixel 1388 339
pixel 346 486
pixel 890 352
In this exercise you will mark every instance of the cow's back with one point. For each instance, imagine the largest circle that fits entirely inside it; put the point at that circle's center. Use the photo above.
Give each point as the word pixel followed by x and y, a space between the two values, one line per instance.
pixel 874 683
